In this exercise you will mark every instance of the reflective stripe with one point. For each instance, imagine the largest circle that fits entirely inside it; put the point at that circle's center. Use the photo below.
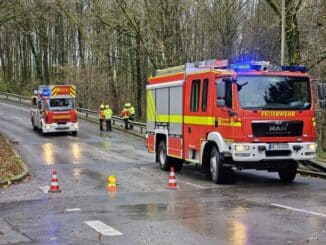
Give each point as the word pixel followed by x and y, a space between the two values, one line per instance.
pixel 150 107
pixel 198 120
pixel 170 118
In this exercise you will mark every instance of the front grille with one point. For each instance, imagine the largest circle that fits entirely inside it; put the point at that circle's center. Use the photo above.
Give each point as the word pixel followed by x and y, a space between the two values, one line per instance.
pixel 277 128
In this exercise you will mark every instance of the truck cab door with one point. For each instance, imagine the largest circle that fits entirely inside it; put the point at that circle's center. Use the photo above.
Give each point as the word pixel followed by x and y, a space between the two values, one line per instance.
pixel 198 118
pixel 225 116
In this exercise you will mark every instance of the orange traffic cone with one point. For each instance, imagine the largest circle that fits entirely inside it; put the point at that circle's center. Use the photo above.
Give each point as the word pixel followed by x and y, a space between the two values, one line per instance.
pixel 172 181
pixel 112 184
pixel 54 182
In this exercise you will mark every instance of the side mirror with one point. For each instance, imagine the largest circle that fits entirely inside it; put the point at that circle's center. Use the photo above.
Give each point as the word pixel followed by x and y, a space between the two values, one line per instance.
pixel 321 91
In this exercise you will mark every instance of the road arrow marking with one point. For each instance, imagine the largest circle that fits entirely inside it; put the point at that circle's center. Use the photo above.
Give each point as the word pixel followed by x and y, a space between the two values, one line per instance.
pixel 298 209
pixel 102 228
pixel 45 189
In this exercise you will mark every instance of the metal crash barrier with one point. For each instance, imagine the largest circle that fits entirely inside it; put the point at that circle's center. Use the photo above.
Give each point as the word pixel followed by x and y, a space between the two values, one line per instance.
pixel 139 128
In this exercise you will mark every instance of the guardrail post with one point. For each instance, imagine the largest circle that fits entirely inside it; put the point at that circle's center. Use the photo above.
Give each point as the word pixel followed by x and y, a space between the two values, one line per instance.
pixel 20 99
pixel 86 114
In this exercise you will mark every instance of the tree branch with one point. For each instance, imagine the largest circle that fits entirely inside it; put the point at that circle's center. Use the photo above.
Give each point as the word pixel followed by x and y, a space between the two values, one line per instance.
pixel 276 8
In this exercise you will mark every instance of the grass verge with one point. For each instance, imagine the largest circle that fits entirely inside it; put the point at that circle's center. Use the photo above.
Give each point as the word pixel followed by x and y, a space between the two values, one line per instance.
pixel 10 164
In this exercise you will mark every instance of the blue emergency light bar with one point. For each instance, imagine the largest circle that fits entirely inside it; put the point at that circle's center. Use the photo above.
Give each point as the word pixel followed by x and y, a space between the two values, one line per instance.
pixel 250 65
pixel 294 68
pixel 45 92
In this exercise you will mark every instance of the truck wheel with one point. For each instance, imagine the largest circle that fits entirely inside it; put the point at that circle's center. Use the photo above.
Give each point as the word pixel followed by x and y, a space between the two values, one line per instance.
pixel 215 166
pixel 162 156
pixel 287 174
pixel 176 163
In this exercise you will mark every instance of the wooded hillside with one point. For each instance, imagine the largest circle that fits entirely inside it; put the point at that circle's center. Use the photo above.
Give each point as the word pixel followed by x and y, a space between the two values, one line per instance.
pixel 108 48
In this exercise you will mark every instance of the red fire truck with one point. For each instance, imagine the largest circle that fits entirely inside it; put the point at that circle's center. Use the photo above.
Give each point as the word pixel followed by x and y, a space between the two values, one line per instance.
pixel 248 117
pixel 54 109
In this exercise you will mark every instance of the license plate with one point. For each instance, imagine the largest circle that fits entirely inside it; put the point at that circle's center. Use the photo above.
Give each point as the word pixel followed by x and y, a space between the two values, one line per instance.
pixel 278 146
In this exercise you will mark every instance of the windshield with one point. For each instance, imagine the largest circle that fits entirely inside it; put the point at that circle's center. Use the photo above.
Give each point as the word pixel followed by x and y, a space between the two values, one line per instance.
pixel 274 92
pixel 61 104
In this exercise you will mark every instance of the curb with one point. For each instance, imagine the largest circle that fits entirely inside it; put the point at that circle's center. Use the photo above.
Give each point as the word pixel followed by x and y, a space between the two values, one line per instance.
pixel 16 179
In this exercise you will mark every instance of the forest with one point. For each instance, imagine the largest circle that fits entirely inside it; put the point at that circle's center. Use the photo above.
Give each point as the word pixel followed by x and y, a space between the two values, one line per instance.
pixel 109 48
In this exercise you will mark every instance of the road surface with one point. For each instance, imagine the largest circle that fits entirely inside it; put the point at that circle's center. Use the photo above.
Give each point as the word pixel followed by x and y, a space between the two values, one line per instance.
pixel 255 208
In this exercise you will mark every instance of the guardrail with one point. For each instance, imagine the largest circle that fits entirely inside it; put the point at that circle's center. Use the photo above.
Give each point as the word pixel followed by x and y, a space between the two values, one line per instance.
pixel 139 128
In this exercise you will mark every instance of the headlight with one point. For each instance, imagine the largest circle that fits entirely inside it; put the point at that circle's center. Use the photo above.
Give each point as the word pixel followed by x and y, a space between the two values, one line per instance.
pixel 312 147
pixel 47 126
pixel 241 148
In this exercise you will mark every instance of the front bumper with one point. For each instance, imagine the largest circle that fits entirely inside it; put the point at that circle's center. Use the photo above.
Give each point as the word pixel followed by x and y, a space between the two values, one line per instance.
pixel 254 152
pixel 55 127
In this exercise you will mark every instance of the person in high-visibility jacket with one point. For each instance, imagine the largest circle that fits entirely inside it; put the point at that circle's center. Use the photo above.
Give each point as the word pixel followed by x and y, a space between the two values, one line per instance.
pixel 125 114
pixel 101 116
pixel 131 114
pixel 108 116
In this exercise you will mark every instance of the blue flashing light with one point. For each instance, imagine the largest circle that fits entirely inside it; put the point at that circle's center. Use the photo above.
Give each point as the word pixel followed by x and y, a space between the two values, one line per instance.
pixel 294 68
pixel 241 67
pixel 251 65
pixel 46 92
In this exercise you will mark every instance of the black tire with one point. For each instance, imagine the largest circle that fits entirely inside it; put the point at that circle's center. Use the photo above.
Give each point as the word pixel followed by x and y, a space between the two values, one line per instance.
pixel 162 157
pixel 287 174
pixel 215 166
pixel 74 133
pixel 176 163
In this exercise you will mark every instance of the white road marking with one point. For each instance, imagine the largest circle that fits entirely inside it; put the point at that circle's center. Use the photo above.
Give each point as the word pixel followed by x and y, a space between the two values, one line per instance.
pixel 45 189
pixel 73 209
pixel 195 185
pixel 53 238
pixel 102 152
pixel 102 228
pixel 298 209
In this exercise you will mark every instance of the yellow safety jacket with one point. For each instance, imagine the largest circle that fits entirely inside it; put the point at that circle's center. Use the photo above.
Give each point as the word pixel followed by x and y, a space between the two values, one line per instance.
pixel 108 113
pixel 132 110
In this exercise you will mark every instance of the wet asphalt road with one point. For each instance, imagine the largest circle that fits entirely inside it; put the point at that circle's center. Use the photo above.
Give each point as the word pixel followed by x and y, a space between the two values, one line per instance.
pixel 256 208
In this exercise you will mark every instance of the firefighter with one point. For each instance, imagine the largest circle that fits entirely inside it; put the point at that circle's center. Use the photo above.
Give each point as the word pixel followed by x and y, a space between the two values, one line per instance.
pixel 101 116
pixel 125 114
pixel 131 114
pixel 108 116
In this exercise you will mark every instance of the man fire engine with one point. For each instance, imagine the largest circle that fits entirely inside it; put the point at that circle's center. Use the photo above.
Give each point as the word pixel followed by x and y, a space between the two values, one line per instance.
pixel 246 117
pixel 54 109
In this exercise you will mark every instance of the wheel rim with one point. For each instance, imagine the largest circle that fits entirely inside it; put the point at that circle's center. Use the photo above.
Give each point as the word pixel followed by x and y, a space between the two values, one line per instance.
pixel 213 164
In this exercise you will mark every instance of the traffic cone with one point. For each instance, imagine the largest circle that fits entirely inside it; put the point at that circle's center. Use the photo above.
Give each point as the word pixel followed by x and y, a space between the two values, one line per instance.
pixel 54 188
pixel 172 181
pixel 112 184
